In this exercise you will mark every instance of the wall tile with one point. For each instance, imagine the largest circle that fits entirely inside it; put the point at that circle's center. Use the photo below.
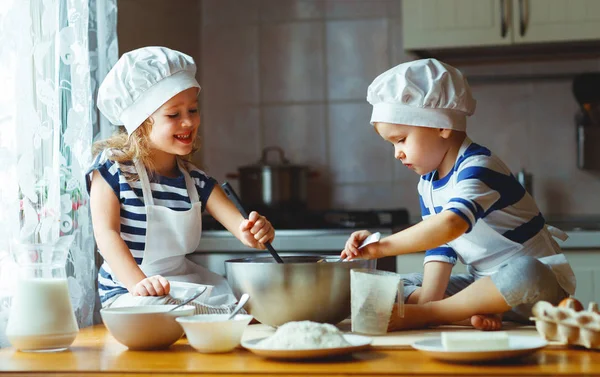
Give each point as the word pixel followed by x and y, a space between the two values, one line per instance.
pixel 229 12
pixel 291 62
pixel 357 52
pixel 405 195
pixel 362 196
pixel 230 65
pixel 290 10
pixel 179 30
pixel 230 139
pixel 355 150
pixel 300 130
pixel 501 122
pixel 302 133
pixel 253 77
pixel 559 187
pixel 401 172
pixel 398 54
pixel 359 8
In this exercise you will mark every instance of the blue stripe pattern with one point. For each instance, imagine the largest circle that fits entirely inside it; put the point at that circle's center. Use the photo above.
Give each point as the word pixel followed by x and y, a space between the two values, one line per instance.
pixel 473 206
pixel 507 186
pixel 133 217
pixel 444 251
pixel 439 183
pixel 482 190
pixel 526 231
pixel 464 217
pixel 473 150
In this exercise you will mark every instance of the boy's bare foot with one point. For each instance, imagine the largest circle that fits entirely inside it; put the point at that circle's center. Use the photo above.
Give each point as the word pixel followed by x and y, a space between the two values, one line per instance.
pixel 488 322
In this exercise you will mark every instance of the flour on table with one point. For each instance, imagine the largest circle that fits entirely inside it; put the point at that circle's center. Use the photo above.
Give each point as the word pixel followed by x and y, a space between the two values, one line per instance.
pixel 305 335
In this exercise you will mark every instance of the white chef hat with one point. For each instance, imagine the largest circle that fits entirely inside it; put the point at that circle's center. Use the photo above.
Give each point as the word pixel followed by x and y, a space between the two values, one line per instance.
pixel 143 80
pixel 426 93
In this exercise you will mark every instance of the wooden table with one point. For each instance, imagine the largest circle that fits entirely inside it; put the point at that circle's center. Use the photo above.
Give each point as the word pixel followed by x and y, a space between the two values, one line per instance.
pixel 96 353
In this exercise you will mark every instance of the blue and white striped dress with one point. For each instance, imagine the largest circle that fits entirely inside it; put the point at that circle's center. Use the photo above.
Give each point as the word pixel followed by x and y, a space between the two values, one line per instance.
pixel 482 190
pixel 168 192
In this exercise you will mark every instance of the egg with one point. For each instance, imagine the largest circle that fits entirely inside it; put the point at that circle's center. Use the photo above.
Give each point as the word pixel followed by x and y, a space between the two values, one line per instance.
pixel 571 303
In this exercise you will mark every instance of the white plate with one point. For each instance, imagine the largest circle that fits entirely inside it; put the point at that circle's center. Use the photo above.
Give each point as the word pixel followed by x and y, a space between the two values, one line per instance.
pixel 357 343
pixel 518 345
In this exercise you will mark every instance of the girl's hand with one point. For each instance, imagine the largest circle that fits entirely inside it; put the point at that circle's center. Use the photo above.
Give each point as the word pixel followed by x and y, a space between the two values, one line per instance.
pixel 153 286
pixel 256 231
pixel 351 250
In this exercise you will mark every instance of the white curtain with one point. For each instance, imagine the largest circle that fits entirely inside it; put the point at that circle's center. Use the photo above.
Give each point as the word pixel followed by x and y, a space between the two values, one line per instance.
pixel 53 54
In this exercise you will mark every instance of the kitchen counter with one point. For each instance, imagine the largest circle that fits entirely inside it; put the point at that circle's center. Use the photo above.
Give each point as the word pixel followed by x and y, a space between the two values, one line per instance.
pixel 96 353
pixel 318 240
pixel 308 240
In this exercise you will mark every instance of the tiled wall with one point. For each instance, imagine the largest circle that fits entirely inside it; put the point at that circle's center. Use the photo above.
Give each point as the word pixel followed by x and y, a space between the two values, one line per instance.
pixel 294 73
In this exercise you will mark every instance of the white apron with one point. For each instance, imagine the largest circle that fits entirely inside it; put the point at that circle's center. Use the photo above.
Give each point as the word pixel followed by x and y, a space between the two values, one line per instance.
pixel 170 236
pixel 542 246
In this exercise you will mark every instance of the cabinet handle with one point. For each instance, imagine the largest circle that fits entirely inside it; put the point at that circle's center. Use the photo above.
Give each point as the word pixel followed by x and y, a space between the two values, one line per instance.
pixel 523 16
pixel 503 20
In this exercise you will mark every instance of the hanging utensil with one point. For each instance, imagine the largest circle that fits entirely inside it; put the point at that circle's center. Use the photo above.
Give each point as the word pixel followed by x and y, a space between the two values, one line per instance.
pixel 236 201
pixel 198 293
pixel 240 305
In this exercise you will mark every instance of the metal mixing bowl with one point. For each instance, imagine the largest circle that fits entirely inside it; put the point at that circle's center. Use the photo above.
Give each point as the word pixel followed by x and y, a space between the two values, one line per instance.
pixel 299 289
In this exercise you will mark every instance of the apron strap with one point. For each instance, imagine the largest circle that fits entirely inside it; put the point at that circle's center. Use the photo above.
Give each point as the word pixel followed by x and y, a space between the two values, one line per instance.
pixel 145 182
pixel 555 232
pixel 147 191
pixel 189 183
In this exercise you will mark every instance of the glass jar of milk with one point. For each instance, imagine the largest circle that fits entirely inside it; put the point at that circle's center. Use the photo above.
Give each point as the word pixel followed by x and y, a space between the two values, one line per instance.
pixel 41 316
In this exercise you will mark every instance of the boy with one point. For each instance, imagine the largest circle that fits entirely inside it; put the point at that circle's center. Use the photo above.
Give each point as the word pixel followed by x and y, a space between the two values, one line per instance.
pixel 473 209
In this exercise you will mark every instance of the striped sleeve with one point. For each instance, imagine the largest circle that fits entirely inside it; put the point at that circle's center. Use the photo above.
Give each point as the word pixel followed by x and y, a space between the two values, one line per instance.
pixel 442 253
pixel 107 169
pixel 204 183
pixel 483 186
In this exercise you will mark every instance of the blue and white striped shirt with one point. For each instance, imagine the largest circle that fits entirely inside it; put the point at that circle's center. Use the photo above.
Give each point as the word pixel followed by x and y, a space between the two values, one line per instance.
pixel 482 190
pixel 168 192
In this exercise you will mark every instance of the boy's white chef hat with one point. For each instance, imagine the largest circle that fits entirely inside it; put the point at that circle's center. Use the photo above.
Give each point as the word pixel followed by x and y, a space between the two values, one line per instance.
pixel 143 80
pixel 426 93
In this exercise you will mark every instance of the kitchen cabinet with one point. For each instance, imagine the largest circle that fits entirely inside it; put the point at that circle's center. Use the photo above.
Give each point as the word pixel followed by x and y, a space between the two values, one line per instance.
pixel 436 24
pixel 586 266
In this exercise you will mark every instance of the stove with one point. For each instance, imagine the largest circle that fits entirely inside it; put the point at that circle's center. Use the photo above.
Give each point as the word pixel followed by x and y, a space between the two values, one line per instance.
pixel 326 220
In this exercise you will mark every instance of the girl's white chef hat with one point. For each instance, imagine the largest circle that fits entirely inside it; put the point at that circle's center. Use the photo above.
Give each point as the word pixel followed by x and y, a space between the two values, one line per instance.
pixel 143 80
pixel 426 93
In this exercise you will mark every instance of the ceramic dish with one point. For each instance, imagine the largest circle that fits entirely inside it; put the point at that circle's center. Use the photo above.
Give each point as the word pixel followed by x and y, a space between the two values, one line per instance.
pixel 213 333
pixel 357 343
pixel 519 345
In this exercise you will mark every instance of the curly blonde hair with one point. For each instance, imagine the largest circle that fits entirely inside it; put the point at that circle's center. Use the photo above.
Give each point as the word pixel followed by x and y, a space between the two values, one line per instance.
pixel 126 149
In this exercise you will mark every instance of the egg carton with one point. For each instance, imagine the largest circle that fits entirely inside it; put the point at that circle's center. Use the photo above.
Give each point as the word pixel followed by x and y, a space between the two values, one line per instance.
pixel 568 324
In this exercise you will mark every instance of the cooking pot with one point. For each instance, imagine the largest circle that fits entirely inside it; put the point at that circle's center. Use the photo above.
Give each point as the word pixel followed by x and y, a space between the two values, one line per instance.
pixel 278 185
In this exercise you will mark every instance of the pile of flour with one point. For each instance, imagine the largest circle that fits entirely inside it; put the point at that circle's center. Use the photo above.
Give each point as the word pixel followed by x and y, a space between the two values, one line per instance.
pixel 305 335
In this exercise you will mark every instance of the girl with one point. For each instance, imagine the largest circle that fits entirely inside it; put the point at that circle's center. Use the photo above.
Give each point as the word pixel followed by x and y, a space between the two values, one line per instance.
pixel 473 209
pixel 146 199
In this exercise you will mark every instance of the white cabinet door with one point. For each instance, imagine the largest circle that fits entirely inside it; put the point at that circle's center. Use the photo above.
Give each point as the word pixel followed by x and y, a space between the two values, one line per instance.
pixel 555 20
pixel 455 23
pixel 586 266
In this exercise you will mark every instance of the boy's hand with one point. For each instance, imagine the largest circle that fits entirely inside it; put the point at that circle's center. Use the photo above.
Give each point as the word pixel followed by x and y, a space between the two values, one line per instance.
pixel 152 286
pixel 256 231
pixel 351 250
